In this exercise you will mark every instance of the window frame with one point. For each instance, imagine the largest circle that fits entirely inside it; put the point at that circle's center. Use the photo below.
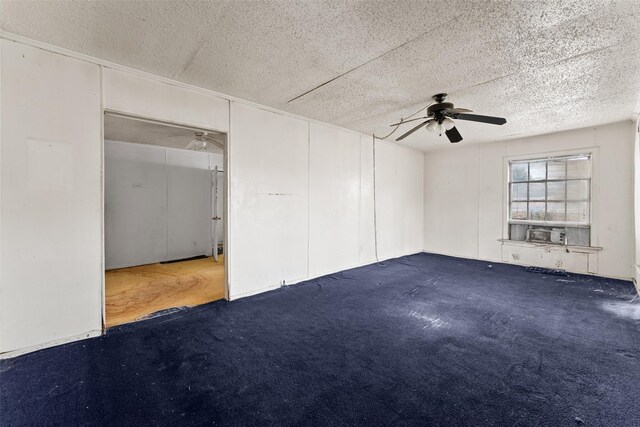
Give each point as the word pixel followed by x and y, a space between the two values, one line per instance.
pixel 546 182
pixel 592 152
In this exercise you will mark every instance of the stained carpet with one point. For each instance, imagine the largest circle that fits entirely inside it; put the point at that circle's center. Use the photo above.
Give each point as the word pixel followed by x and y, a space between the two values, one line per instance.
pixel 419 340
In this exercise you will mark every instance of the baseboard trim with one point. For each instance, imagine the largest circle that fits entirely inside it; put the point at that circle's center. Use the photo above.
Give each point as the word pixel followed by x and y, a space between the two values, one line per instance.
pixel 274 287
pixel 315 276
pixel 15 353
pixel 251 293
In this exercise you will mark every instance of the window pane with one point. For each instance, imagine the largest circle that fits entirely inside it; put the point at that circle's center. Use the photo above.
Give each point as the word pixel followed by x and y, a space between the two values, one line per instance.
pixel 556 169
pixel 578 236
pixel 555 211
pixel 536 211
pixel 537 171
pixel 518 231
pixel 578 190
pixel 519 172
pixel 519 210
pixel 519 191
pixel 537 191
pixel 578 212
pixel 555 190
pixel 578 168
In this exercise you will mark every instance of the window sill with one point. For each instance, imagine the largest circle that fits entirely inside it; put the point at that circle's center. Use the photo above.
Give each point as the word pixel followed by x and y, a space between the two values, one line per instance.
pixel 577 249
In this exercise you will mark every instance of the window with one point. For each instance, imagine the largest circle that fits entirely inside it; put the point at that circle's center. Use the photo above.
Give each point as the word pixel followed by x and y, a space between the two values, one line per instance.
pixel 549 200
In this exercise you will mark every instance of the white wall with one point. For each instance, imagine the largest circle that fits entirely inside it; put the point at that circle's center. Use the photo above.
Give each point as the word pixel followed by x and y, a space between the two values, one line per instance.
pixel 465 200
pixel 334 200
pixel 636 198
pixel 127 93
pixel 50 205
pixel 302 200
pixel 135 198
pixel 301 194
pixel 269 200
pixel 157 204
pixel 399 199
pixel 367 225
pixel 188 204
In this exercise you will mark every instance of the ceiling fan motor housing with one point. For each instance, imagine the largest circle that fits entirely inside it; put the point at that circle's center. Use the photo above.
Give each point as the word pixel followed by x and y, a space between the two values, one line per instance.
pixel 439 97
pixel 437 110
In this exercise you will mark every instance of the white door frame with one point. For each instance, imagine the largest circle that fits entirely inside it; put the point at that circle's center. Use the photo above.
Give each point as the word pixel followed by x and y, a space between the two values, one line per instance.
pixel 225 154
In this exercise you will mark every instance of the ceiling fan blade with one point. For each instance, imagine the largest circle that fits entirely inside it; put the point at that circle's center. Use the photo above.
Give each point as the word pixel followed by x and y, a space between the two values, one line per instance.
pixel 453 135
pixel 407 121
pixel 412 130
pixel 457 110
pixel 481 119
pixel 215 142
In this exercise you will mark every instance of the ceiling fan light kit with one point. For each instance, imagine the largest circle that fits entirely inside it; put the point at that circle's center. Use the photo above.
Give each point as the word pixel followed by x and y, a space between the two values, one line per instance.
pixel 448 123
pixel 201 141
pixel 198 143
pixel 433 126
pixel 440 117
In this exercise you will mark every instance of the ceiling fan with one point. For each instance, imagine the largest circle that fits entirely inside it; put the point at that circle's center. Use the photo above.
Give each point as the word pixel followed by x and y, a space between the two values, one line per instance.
pixel 200 142
pixel 439 117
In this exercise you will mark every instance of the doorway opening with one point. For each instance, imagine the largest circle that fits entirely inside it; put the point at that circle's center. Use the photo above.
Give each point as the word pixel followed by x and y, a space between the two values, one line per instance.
pixel 164 204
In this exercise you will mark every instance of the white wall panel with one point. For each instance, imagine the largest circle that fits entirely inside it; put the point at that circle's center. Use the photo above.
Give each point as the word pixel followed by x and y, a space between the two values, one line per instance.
pixel 399 199
pixel 409 199
pixel 188 204
pixel 268 193
pixel 50 207
pixel 334 199
pixel 491 175
pixel 367 237
pixel 451 202
pixel 387 209
pixel 275 177
pixel 137 95
pixel 134 204
pixel 613 218
pixel 636 197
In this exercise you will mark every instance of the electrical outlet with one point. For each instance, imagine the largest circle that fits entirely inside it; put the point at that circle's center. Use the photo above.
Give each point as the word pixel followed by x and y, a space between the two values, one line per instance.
pixel 515 256
pixel 136 185
pixel 557 263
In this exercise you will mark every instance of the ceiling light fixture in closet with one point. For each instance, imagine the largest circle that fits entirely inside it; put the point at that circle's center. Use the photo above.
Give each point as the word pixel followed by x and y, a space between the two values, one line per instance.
pixel 199 142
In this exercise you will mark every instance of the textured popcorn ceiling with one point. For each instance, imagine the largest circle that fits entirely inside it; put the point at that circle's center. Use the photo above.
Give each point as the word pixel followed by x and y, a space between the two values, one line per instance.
pixel 544 65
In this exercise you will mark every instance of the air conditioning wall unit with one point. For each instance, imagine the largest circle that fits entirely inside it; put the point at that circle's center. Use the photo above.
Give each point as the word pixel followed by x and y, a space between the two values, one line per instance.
pixel 539 234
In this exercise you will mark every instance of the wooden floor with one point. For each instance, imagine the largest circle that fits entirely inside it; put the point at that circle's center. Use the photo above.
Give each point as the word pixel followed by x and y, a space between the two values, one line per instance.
pixel 135 292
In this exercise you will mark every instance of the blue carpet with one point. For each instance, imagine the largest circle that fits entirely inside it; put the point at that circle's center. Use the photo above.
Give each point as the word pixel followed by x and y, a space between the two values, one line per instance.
pixel 419 340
